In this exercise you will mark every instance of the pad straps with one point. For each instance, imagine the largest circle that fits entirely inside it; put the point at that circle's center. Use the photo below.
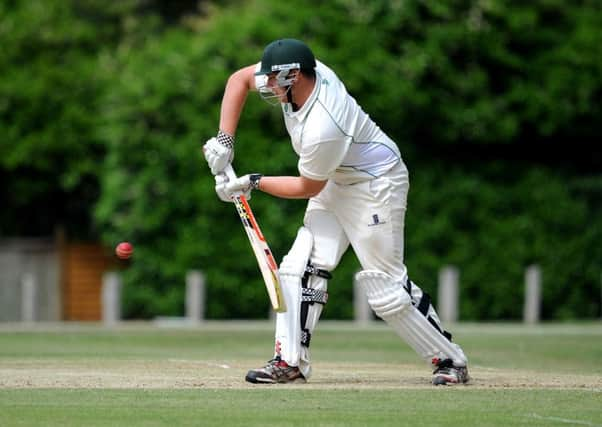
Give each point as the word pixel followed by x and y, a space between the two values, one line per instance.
pixel 310 296
pixel 311 270
pixel 423 307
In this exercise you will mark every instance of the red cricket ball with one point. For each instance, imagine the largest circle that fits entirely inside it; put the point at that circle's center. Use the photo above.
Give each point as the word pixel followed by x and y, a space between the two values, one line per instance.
pixel 124 250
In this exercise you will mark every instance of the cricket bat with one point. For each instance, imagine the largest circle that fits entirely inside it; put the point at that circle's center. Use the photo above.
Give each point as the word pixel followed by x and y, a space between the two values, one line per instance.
pixel 263 254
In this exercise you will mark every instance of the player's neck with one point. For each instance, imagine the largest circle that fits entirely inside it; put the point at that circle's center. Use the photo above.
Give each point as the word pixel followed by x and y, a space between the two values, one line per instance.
pixel 302 90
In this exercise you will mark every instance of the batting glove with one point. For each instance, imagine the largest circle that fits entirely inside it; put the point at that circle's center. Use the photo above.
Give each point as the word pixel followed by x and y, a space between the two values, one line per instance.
pixel 243 184
pixel 219 152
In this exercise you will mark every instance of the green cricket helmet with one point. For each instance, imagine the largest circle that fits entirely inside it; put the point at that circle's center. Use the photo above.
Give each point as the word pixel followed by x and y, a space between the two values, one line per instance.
pixel 281 57
pixel 286 54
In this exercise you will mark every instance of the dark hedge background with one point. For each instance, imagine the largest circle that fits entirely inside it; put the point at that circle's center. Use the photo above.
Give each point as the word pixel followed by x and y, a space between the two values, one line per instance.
pixel 495 106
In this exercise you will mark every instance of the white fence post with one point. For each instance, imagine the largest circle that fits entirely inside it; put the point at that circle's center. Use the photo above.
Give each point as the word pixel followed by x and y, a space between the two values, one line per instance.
pixel 111 298
pixel 195 296
pixel 362 312
pixel 531 309
pixel 29 297
pixel 448 294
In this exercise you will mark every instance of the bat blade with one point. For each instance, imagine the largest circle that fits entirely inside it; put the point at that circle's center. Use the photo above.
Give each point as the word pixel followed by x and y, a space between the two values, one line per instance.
pixel 265 260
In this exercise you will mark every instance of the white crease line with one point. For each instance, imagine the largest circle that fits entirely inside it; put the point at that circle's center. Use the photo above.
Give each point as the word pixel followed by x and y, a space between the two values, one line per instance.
pixel 565 420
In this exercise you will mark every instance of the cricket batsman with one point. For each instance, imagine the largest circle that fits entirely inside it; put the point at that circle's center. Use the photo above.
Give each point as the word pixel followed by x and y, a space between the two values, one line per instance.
pixel 357 185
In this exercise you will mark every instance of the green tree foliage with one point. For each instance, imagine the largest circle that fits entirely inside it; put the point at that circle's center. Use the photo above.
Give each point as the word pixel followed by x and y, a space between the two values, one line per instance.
pixel 157 191
pixel 493 230
pixel 474 71
pixel 50 84
pixel 493 104
pixel 436 76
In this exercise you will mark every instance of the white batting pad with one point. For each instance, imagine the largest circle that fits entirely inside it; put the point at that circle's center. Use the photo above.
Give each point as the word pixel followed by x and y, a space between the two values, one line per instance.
pixel 288 324
pixel 392 303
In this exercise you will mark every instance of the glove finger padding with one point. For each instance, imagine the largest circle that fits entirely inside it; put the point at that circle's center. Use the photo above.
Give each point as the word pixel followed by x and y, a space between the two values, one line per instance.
pixel 218 156
pixel 220 187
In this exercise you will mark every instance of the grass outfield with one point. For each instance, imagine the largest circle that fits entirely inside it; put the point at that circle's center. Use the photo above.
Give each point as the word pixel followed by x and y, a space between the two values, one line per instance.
pixel 140 374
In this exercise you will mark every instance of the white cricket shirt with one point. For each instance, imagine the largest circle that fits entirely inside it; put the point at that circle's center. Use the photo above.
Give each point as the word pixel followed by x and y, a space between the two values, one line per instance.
pixel 334 138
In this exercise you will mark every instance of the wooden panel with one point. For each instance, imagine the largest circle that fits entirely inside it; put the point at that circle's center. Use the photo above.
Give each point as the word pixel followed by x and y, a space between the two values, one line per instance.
pixel 83 267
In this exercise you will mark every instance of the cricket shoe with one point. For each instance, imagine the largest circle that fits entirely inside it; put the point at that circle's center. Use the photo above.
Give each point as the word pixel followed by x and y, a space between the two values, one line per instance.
pixel 446 373
pixel 276 371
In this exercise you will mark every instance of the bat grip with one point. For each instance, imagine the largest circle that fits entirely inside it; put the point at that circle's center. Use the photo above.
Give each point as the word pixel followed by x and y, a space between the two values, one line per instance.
pixel 229 171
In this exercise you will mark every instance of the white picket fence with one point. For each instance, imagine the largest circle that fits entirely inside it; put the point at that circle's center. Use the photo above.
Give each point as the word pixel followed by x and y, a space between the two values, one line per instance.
pixel 448 297
pixel 30 289
pixel 29 280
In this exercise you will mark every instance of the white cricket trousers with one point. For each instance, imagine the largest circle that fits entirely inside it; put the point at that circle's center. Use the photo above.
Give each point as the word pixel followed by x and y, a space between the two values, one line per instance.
pixel 368 215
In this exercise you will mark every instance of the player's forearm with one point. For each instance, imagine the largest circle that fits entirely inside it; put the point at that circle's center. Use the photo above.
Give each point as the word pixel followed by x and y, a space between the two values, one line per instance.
pixel 232 105
pixel 235 94
pixel 290 187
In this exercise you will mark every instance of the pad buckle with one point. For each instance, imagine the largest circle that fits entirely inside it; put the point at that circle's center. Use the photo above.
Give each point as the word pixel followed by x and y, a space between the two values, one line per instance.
pixel 310 270
pixel 314 295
